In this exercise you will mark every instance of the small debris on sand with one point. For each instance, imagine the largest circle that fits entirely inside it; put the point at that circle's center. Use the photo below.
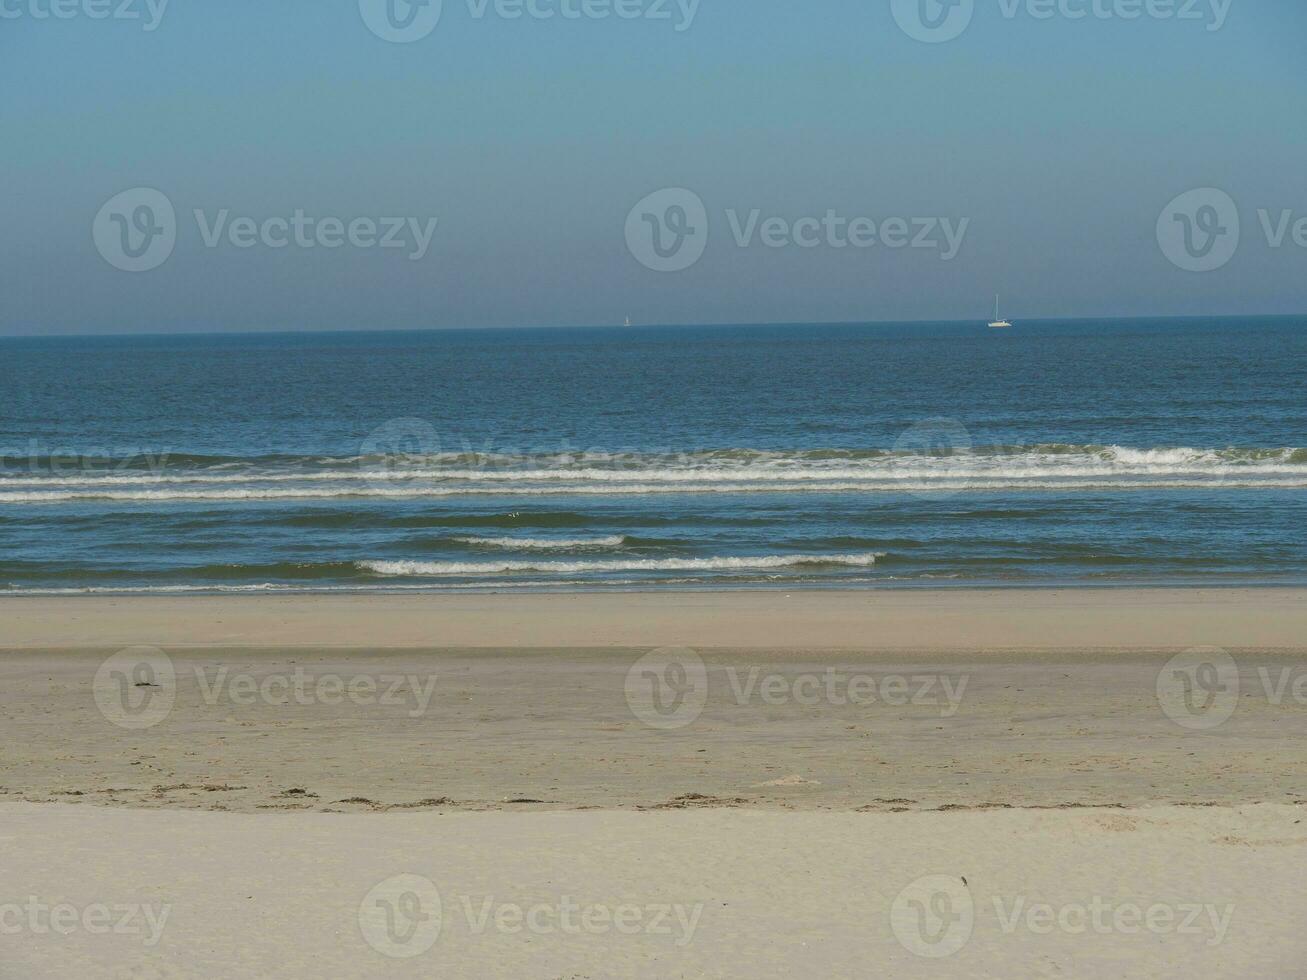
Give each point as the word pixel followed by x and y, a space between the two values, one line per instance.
pixel 794 780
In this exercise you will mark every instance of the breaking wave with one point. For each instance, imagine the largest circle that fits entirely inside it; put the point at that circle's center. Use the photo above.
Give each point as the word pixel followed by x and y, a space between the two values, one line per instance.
pixel 1051 466
pixel 547 544
pixel 743 563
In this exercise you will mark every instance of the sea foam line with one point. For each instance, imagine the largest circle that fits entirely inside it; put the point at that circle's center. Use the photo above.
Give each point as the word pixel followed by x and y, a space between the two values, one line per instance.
pixel 1110 461
pixel 947 467
pixel 941 482
pixel 615 565
pixel 546 544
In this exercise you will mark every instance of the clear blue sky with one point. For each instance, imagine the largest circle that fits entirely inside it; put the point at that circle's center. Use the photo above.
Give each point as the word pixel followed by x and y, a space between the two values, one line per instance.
pixel 530 140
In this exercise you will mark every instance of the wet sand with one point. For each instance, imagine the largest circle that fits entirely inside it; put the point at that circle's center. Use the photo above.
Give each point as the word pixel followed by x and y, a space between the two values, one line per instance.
pixel 961 619
pixel 257 729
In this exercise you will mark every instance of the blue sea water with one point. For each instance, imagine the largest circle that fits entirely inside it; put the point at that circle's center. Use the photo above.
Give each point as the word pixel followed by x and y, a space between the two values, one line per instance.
pixel 1055 453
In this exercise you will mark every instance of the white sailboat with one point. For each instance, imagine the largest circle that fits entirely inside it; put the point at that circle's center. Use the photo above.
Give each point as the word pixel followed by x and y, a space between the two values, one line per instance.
pixel 998 321
pixel 628 321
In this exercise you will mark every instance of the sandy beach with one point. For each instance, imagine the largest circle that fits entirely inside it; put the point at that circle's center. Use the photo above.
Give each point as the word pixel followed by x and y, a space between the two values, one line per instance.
pixel 1158 892
pixel 900 619
pixel 792 766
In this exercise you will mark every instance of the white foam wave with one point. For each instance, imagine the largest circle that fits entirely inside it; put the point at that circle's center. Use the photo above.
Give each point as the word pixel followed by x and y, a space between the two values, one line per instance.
pixel 957 467
pixel 747 563
pixel 951 483
pixel 727 466
pixel 740 471
pixel 546 544
pixel 283 587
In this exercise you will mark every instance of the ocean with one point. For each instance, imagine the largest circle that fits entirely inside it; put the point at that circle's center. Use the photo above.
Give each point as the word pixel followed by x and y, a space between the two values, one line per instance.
pixel 1107 453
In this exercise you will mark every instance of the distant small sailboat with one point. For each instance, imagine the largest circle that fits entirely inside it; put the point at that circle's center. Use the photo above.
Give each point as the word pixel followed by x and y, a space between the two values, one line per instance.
pixel 628 321
pixel 998 322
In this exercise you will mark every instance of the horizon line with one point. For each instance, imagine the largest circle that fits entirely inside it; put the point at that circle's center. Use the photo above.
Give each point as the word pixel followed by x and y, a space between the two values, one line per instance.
pixel 619 327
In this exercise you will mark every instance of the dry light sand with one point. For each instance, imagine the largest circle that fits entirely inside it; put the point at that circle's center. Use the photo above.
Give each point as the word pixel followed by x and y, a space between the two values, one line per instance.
pixel 1037 784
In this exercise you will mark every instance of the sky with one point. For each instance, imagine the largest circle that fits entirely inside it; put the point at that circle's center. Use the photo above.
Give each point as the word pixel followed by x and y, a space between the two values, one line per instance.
pixel 364 164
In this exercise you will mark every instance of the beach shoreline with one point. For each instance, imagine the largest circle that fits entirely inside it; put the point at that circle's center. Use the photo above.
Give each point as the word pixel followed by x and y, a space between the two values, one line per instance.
pixel 888 620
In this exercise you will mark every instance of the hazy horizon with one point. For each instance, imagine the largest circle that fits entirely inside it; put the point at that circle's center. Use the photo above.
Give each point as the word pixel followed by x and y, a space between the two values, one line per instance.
pixel 619 328
pixel 196 169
